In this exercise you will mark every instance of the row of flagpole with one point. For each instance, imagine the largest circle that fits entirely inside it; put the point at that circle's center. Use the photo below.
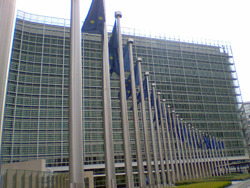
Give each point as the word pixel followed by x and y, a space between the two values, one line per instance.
pixel 177 141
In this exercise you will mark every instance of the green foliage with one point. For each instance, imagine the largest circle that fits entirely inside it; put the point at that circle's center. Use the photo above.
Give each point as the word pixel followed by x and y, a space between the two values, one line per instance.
pixel 214 184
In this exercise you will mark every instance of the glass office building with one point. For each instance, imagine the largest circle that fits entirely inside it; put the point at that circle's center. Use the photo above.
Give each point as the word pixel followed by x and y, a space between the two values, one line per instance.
pixel 198 79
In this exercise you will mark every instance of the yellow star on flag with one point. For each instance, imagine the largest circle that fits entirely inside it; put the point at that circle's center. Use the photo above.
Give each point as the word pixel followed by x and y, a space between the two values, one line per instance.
pixel 111 58
pixel 100 18
pixel 92 21
pixel 128 91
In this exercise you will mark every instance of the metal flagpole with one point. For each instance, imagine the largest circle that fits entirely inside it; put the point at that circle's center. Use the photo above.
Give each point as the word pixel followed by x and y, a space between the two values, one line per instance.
pixel 76 175
pixel 182 151
pixel 177 144
pixel 203 154
pixel 142 182
pixel 145 127
pixel 164 139
pixel 169 141
pixel 7 27
pixel 194 157
pixel 159 139
pixel 124 114
pixel 214 160
pixel 156 166
pixel 211 159
pixel 220 156
pixel 226 158
pixel 197 154
pixel 173 143
pixel 107 113
pixel 192 163
pixel 223 157
pixel 185 149
pixel 217 156
pixel 202 160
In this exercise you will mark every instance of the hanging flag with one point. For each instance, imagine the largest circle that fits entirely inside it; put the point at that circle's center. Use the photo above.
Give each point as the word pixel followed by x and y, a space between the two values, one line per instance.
pixel 222 144
pixel 206 140
pixel 126 58
pixel 193 140
pixel 158 111
pixel 189 137
pixel 137 79
pixel 152 98
pixel 216 145
pixel 162 111
pixel 182 134
pixel 213 144
pixel 197 141
pixel 219 145
pixel 145 88
pixel 128 87
pixel 113 52
pixel 201 143
pixel 94 22
pixel 177 128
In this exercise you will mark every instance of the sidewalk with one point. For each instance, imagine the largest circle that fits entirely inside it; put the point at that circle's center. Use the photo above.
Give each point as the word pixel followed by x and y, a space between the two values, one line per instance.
pixel 243 184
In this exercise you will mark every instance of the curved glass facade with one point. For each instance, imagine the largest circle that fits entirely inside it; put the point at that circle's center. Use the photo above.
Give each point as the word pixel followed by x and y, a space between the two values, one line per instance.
pixel 198 80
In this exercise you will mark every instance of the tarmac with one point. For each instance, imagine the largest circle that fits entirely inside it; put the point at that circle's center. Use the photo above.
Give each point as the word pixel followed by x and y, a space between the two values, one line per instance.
pixel 242 184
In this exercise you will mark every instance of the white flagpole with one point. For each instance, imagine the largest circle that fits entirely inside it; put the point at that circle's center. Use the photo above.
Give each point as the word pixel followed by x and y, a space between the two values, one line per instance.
pixel 211 159
pixel 76 175
pixel 178 145
pixel 107 113
pixel 226 158
pixel 189 176
pixel 194 157
pixel 214 160
pixel 173 143
pixel 156 166
pixel 197 154
pixel 192 163
pixel 159 139
pixel 124 114
pixel 169 141
pixel 218 157
pixel 205 153
pixel 207 171
pixel 7 27
pixel 184 159
pixel 145 127
pixel 223 157
pixel 202 160
pixel 164 140
pixel 142 182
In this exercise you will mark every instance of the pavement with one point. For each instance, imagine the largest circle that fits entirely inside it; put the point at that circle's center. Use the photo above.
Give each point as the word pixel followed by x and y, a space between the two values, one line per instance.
pixel 241 184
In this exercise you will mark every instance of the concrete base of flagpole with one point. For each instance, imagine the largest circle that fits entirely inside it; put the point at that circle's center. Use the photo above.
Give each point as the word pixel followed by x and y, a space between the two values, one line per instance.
pixel 76 185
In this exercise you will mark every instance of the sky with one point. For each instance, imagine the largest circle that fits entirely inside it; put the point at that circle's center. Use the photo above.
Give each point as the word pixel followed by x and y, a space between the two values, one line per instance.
pixel 219 20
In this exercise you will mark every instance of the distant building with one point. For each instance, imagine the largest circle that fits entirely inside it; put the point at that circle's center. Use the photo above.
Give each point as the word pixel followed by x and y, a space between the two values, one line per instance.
pixel 198 80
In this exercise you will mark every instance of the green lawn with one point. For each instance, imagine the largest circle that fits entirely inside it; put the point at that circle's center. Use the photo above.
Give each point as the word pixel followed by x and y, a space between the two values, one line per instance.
pixel 212 184
pixel 224 178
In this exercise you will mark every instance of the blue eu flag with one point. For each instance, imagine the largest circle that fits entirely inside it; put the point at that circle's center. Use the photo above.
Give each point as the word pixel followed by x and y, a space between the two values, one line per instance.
pixel 113 52
pixel 126 58
pixel 128 87
pixel 137 79
pixel 152 99
pixel 95 19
